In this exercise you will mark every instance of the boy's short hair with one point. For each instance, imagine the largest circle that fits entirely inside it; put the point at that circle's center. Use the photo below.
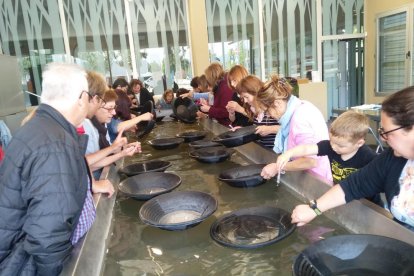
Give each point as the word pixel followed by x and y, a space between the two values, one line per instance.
pixel 351 125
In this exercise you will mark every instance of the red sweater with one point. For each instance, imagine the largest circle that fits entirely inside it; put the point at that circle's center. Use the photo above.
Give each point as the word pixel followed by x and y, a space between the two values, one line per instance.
pixel 222 96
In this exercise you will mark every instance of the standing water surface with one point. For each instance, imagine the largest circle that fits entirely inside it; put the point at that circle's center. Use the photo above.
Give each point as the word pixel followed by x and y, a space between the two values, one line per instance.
pixel 138 249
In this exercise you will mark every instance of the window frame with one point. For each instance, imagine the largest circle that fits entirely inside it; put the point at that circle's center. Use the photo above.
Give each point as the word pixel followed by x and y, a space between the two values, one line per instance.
pixel 408 48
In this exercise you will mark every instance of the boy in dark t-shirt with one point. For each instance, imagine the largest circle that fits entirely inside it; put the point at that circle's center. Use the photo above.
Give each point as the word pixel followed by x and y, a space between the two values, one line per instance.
pixel 346 148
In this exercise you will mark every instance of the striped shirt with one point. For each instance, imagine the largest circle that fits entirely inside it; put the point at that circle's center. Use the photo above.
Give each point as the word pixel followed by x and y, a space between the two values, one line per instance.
pixel 267 141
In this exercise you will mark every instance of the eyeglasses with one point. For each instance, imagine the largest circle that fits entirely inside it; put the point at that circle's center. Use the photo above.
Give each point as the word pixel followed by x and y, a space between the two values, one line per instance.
pixel 87 92
pixel 103 102
pixel 109 109
pixel 384 134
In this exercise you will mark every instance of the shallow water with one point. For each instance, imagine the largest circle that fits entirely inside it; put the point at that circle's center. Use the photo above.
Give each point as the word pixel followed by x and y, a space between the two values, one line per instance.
pixel 180 217
pixel 138 249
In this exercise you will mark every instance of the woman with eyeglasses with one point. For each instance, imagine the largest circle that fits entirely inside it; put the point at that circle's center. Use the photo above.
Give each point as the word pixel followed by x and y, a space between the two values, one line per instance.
pixel 100 151
pixel 392 172
pixel 300 123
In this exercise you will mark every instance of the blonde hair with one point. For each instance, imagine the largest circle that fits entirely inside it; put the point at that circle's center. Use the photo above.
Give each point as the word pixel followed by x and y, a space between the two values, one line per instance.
pixel 236 73
pixel 351 125
pixel 96 83
pixel 274 89
pixel 214 73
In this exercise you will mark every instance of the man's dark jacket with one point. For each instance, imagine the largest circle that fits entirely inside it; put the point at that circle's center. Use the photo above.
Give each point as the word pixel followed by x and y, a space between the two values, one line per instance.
pixel 43 185
pixel 145 96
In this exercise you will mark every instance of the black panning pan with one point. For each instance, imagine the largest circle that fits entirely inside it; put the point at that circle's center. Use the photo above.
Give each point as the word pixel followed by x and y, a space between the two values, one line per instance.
pixel 252 227
pixel 237 137
pixel 143 167
pixel 166 143
pixel 192 135
pixel 211 154
pixel 185 110
pixel 358 254
pixel 148 185
pixel 145 127
pixel 178 210
pixel 159 118
pixel 244 176
pixel 203 144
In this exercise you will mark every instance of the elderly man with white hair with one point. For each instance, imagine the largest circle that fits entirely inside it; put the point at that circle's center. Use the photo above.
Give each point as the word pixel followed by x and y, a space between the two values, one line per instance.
pixel 44 179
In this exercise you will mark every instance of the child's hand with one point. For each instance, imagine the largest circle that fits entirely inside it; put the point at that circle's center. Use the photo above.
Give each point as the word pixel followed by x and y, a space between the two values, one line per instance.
pixel 146 116
pixel 263 130
pixel 282 160
pixel 119 142
pixel 233 106
pixel 103 186
pixel 205 108
pixel 269 171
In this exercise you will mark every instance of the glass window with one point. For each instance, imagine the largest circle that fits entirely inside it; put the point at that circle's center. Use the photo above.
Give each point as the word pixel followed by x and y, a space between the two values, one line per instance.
pixel 162 51
pixel 97 36
pixel 391 52
pixel 289 37
pixel 233 33
pixel 31 31
pixel 342 17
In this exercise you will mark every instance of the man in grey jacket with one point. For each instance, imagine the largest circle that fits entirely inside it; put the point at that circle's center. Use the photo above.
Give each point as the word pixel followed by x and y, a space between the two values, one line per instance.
pixel 44 179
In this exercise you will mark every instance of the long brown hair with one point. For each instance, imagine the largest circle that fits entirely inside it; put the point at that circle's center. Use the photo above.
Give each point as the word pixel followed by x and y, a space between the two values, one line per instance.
pixel 251 85
pixel 236 73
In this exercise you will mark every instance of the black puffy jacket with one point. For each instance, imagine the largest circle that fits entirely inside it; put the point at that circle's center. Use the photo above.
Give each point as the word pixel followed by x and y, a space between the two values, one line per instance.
pixel 43 185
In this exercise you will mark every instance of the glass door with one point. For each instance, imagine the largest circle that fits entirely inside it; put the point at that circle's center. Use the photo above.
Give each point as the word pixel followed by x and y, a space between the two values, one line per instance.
pixel 343 70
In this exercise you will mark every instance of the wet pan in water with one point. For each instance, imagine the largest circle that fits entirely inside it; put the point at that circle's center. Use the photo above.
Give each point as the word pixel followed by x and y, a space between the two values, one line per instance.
pixel 252 227
pixel 178 210
pixel 192 135
pixel 211 154
pixel 166 143
pixel 203 144
pixel 143 167
pixel 357 254
pixel 148 185
pixel 245 176
pixel 144 128
pixel 238 137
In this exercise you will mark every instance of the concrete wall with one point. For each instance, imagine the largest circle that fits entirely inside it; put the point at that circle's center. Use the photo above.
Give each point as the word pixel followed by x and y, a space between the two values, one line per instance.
pixel 372 9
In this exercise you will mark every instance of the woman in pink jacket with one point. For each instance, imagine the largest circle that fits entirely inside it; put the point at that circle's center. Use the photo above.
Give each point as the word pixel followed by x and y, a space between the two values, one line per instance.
pixel 300 123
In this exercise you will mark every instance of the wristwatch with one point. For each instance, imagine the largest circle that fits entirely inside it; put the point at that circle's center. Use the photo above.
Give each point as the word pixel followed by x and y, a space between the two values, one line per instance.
pixel 314 206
